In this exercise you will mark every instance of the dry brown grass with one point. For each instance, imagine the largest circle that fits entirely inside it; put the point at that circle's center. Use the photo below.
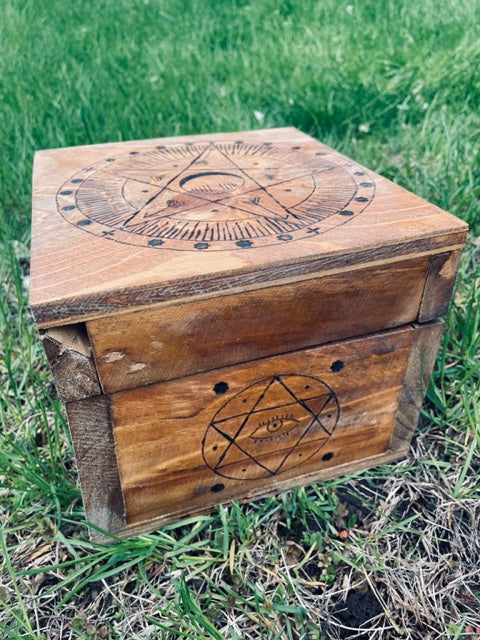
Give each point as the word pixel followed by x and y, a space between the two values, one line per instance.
pixel 409 567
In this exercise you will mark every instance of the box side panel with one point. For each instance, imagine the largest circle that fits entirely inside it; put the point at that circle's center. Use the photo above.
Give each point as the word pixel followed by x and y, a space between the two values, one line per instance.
pixel 91 429
pixel 419 370
pixel 190 443
pixel 166 343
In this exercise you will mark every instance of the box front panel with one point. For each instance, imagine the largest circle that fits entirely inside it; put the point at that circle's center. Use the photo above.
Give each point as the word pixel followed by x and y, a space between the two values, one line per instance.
pixel 164 343
pixel 214 436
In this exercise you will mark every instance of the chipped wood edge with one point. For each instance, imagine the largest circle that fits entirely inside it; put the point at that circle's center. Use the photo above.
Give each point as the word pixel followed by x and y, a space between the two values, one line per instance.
pixel 426 341
pixel 71 361
pixel 91 429
pixel 439 284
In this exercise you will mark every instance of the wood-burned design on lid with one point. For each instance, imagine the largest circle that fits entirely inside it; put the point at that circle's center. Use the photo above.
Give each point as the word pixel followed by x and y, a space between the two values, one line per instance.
pixel 271 426
pixel 216 196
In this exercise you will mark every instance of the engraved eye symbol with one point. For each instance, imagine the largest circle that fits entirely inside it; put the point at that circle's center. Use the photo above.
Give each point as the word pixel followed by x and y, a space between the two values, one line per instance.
pixel 275 427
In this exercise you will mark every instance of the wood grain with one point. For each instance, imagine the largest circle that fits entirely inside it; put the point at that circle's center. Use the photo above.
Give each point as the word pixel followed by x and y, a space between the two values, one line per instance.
pixel 91 429
pixel 71 361
pixel 169 446
pixel 84 267
pixel 419 370
pixel 253 493
pixel 181 339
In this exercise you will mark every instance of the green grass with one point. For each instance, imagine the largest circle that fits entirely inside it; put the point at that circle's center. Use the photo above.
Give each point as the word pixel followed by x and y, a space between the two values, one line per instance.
pixel 395 85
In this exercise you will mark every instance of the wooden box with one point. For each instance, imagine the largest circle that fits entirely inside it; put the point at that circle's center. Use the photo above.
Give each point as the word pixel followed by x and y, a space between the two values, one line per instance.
pixel 231 315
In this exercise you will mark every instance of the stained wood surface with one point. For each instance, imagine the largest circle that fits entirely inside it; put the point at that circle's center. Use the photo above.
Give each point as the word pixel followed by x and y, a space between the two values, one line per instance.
pixel 253 493
pixel 180 339
pixel 91 429
pixel 218 435
pixel 419 370
pixel 71 361
pixel 136 223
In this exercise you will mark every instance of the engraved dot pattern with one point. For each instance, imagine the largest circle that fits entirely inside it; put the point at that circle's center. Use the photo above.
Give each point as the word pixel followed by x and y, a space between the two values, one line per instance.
pixel 215 196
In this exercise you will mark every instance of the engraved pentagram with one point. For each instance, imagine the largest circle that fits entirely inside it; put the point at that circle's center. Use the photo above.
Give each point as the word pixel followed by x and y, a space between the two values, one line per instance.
pixel 215 196
pixel 271 426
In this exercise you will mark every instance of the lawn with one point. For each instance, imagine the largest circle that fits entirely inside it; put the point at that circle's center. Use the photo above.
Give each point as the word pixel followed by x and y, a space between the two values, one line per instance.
pixel 389 553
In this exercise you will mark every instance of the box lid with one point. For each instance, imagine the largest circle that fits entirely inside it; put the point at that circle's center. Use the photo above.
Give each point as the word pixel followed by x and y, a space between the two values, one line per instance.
pixel 128 224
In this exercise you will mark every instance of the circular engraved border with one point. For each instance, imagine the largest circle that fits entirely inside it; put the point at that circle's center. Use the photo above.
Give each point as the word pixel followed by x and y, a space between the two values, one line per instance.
pixel 269 474
pixel 70 209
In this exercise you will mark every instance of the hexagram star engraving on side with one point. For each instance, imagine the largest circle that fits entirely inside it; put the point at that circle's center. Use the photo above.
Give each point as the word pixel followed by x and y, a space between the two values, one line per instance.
pixel 286 420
